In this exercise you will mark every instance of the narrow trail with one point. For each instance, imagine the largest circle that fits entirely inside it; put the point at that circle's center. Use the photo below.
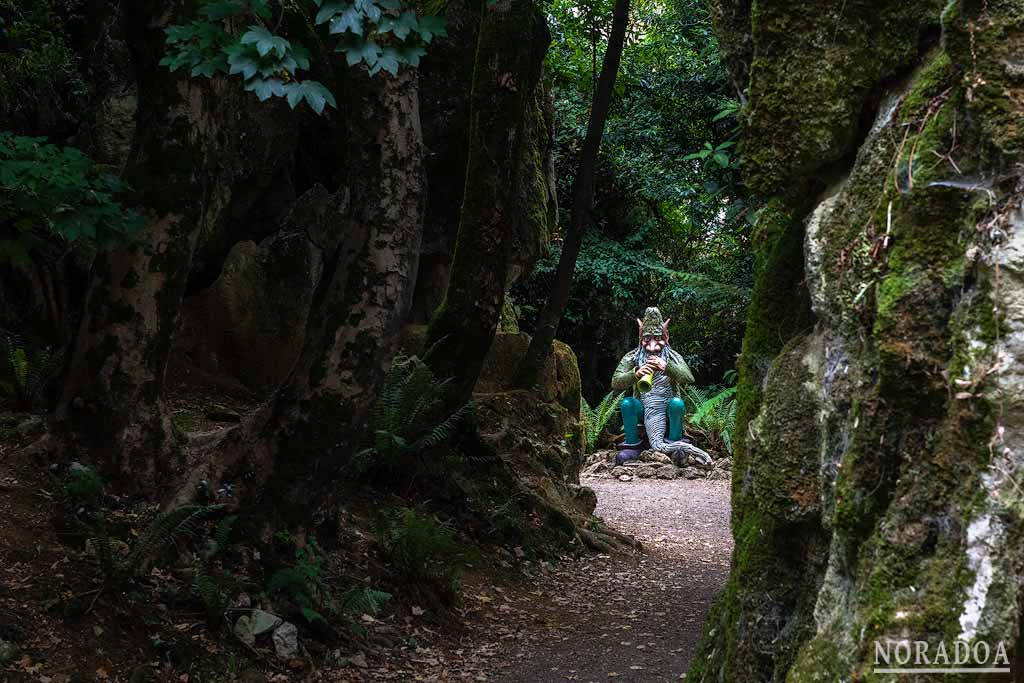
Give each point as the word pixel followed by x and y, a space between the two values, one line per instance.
pixel 624 618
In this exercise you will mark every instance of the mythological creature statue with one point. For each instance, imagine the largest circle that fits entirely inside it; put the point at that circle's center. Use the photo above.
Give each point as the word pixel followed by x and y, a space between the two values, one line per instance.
pixel 657 375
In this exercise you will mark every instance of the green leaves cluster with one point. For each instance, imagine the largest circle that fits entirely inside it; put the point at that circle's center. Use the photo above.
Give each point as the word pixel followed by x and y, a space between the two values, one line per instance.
pixel 268 63
pixel 49 192
pixel 304 581
pixel 379 34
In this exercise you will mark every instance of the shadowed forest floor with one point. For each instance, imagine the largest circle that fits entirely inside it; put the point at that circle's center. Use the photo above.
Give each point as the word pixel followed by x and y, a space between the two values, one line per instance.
pixel 594 618
pixel 618 617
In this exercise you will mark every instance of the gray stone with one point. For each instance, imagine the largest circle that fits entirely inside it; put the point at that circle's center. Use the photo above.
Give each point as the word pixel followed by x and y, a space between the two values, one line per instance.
pixel 263 621
pixel 8 651
pixel 625 477
pixel 243 630
pixel 655 456
pixel 250 323
pixel 668 472
pixel 692 473
pixel 647 471
pixel 286 641
pixel 584 499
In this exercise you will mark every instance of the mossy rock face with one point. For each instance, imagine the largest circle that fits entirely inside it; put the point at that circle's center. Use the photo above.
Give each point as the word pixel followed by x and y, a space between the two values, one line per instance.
pixel 814 67
pixel 881 396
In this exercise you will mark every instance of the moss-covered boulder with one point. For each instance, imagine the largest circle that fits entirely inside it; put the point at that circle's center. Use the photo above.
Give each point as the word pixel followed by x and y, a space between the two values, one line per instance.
pixel 875 496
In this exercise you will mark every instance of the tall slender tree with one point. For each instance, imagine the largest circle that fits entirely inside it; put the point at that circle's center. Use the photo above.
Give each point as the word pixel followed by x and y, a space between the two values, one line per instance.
pixel 582 202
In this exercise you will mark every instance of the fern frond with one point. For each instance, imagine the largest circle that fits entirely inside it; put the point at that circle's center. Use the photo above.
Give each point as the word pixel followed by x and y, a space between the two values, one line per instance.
pixel 363 600
pixel 222 534
pixel 710 405
pixel 166 529
pixel 444 431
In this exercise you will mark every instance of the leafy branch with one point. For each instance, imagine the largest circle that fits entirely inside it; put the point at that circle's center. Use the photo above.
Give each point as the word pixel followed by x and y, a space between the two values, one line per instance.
pixel 377 33
pixel 48 191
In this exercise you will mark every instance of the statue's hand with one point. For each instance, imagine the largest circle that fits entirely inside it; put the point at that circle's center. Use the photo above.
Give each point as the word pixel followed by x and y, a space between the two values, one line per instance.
pixel 644 369
pixel 657 363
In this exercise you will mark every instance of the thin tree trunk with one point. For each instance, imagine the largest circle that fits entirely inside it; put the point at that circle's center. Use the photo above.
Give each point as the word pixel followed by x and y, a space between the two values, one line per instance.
pixel 582 202
pixel 510 52
pixel 289 451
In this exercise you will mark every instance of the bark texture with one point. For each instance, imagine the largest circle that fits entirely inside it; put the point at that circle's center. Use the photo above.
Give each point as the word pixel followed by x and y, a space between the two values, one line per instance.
pixel 288 452
pixel 447 75
pixel 876 488
pixel 496 205
pixel 184 169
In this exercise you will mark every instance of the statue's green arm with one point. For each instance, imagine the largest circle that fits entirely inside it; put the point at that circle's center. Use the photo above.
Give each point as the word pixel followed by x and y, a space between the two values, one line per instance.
pixel 624 376
pixel 678 370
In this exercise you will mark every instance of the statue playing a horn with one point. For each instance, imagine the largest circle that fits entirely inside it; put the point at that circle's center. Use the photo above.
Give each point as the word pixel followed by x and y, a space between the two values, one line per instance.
pixel 657 375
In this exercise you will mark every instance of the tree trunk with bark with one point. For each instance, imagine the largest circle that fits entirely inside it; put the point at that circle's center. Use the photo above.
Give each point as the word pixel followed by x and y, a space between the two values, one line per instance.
pixel 511 45
pixel 183 174
pixel 582 202
pixel 289 452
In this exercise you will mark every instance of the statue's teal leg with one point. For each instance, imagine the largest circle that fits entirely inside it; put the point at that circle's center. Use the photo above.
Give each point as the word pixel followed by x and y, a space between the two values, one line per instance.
pixel 631 408
pixel 676 415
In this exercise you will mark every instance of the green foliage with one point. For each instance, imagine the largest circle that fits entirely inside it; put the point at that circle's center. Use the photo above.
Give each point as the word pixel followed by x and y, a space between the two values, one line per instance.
pixel 720 154
pixel 595 419
pixel 83 486
pixel 303 581
pixel 406 419
pixel 360 600
pixel 666 230
pixel 165 531
pixel 210 584
pixel 56 195
pixel 422 549
pixel 713 413
pixel 376 33
pixel 41 86
pixel 33 371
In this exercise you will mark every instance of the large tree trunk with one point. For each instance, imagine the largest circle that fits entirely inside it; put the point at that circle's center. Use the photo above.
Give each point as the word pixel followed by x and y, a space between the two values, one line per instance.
pixel 582 202
pixel 290 450
pixel 880 439
pixel 183 173
pixel 511 44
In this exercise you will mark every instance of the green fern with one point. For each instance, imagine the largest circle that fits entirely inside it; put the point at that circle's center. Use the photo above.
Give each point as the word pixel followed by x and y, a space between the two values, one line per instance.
pixel 421 548
pixel 166 530
pixel 33 372
pixel 304 583
pixel 713 414
pixel 595 419
pixel 363 600
pixel 712 292
pixel 406 417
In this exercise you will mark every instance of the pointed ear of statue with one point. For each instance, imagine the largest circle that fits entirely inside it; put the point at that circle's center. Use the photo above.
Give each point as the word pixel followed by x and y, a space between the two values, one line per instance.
pixel 664 328
pixel 640 328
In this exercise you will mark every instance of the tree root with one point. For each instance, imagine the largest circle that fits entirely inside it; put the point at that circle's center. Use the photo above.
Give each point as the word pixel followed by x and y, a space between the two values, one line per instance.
pixel 608 541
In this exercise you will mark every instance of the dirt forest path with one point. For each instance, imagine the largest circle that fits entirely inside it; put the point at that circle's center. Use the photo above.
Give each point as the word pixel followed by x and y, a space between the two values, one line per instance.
pixel 621 618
